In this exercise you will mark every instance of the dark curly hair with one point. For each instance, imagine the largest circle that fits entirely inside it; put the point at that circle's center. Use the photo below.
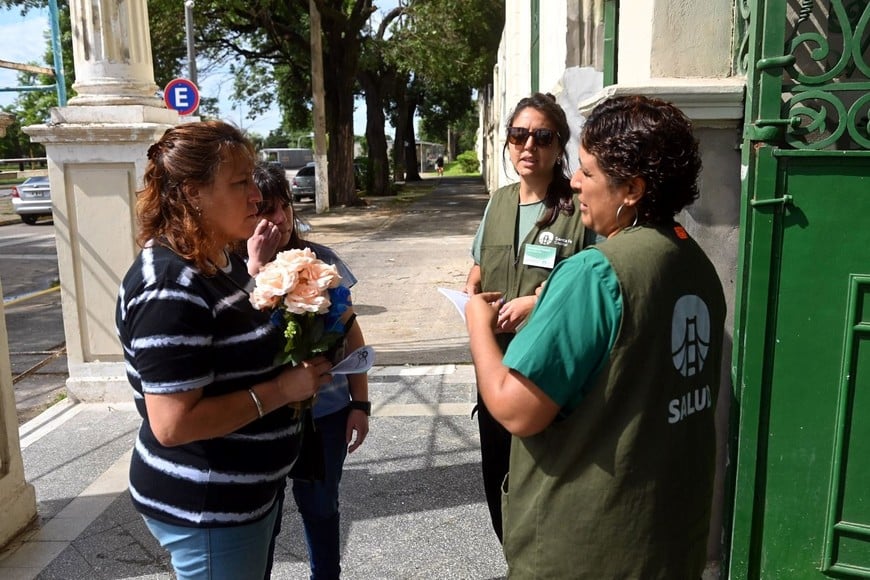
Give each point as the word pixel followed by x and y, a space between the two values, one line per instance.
pixel 186 157
pixel 636 136
pixel 560 196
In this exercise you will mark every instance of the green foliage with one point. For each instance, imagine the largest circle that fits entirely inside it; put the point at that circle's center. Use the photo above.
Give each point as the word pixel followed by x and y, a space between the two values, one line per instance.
pixel 468 162
pixel 24 5
pixel 441 106
pixel 168 41
pixel 277 138
pixel 445 48
pixel 465 129
pixel 16 144
pixel 446 41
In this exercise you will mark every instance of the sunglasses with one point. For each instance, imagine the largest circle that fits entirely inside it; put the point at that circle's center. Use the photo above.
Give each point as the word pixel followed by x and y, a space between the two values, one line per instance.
pixel 268 206
pixel 520 135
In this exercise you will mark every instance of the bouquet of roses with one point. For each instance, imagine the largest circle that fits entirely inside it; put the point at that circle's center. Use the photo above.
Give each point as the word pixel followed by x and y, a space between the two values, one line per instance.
pixel 307 301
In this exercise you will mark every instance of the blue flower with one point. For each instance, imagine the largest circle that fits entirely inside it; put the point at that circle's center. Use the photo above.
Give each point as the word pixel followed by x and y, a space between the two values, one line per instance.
pixel 340 299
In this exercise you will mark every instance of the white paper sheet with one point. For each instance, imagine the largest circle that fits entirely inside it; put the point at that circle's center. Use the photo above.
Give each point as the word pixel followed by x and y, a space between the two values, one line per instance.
pixel 458 299
pixel 359 361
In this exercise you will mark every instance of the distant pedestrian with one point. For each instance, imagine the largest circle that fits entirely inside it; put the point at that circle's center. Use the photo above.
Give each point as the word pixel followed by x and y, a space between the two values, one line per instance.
pixel 217 436
pixel 439 165
pixel 527 229
pixel 610 388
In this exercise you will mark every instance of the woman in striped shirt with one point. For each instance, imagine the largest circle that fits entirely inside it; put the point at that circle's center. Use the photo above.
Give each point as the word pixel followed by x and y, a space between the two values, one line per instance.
pixel 217 438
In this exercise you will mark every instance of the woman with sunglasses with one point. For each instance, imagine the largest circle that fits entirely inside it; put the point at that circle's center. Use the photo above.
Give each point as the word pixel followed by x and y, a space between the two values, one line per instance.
pixel 342 408
pixel 527 229
pixel 610 388
pixel 217 438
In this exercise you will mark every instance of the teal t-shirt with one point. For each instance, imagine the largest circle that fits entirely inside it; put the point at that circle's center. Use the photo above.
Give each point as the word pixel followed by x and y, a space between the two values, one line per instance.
pixel 571 330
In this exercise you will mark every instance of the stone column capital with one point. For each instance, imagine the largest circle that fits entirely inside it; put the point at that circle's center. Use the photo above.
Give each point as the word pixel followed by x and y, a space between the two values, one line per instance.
pixel 112 53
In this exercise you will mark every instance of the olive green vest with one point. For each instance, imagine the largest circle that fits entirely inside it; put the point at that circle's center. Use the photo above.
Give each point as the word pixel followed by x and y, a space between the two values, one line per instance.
pixel 622 487
pixel 501 261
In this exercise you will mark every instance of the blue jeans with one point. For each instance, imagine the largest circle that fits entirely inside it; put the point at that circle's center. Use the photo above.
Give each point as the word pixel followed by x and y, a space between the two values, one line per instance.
pixel 230 553
pixel 317 501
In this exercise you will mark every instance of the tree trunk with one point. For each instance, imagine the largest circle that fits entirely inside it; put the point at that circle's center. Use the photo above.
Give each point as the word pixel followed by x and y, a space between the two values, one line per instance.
pixel 321 179
pixel 401 131
pixel 377 166
pixel 340 128
pixel 343 57
pixel 412 164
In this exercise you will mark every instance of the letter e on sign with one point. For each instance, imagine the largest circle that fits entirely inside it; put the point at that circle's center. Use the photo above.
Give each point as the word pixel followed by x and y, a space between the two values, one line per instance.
pixel 181 95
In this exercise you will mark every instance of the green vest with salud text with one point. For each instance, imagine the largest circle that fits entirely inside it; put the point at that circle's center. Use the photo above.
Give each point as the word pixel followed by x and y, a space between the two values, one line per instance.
pixel 502 267
pixel 622 487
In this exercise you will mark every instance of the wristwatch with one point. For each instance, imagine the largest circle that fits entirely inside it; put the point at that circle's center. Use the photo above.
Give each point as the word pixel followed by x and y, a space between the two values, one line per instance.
pixel 364 406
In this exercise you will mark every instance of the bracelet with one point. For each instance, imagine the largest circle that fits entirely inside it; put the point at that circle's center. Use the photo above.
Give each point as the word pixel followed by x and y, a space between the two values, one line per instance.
pixel 257 402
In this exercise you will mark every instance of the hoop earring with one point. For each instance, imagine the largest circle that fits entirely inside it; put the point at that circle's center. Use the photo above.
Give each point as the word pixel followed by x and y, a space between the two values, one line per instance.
pixel 636 215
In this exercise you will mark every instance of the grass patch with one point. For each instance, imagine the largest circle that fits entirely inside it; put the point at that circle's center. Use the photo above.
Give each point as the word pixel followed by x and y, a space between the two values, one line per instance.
pixel 413 190
pixel 454 169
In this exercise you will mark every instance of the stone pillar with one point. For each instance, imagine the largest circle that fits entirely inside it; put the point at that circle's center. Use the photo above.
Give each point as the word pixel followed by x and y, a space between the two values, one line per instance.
pixel 17 497
pixel 112 53
pixel 96 149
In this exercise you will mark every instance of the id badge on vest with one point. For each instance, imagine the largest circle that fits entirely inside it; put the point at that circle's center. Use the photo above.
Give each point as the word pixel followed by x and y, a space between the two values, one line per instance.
pixel 540 256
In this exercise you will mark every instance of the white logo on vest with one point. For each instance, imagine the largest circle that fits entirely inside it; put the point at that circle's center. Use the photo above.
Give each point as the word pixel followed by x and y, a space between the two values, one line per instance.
pixel 550 239
pixel 690 335
pixel 690 343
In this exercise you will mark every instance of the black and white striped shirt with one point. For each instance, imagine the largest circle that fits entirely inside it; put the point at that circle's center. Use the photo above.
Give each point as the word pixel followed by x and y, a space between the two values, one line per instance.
pixel 180 331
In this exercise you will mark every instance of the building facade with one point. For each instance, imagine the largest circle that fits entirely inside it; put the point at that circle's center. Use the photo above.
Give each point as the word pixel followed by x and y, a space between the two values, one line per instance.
pixel 778 93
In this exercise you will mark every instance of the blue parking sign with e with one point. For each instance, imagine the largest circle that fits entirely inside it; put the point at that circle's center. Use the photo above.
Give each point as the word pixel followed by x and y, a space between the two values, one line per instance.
pixel 181 95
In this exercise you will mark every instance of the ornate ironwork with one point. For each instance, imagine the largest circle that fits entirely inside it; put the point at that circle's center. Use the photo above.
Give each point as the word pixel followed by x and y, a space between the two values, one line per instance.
pixel 827 86
pixel 742 18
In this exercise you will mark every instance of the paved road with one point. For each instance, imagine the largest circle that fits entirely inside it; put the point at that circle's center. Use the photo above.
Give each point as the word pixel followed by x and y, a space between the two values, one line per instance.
pixel 28 265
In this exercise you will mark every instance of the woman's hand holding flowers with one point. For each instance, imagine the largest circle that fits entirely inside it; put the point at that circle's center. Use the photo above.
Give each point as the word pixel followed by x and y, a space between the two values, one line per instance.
pixel 301 382
pixel 307 302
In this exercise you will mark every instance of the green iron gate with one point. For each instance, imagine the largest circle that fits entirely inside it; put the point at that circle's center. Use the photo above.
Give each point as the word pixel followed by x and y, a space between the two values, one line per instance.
pixel 802 336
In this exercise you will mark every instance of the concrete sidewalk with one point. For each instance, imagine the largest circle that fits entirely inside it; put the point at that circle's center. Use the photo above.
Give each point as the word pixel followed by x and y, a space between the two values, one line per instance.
pixel 411 496
pixel 412 499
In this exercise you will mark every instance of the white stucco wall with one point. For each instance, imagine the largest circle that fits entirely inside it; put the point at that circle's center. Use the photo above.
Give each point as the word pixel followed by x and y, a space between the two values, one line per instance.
pixel 513 81
pixel 553 51
pixel 674 38
pixel 635 40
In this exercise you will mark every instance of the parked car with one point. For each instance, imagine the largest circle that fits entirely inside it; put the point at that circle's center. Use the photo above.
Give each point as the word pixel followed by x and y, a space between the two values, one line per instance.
pixel 32 199
pixel 302 184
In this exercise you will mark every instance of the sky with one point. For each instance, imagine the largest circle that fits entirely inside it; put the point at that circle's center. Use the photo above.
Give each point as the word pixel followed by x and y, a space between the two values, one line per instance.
pixel 22 41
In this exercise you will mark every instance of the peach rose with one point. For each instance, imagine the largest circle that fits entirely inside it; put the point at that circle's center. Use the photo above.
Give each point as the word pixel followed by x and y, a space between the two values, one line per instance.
pixel 320 274
pixel 271 284
pixel 297 278
pixel 307 297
